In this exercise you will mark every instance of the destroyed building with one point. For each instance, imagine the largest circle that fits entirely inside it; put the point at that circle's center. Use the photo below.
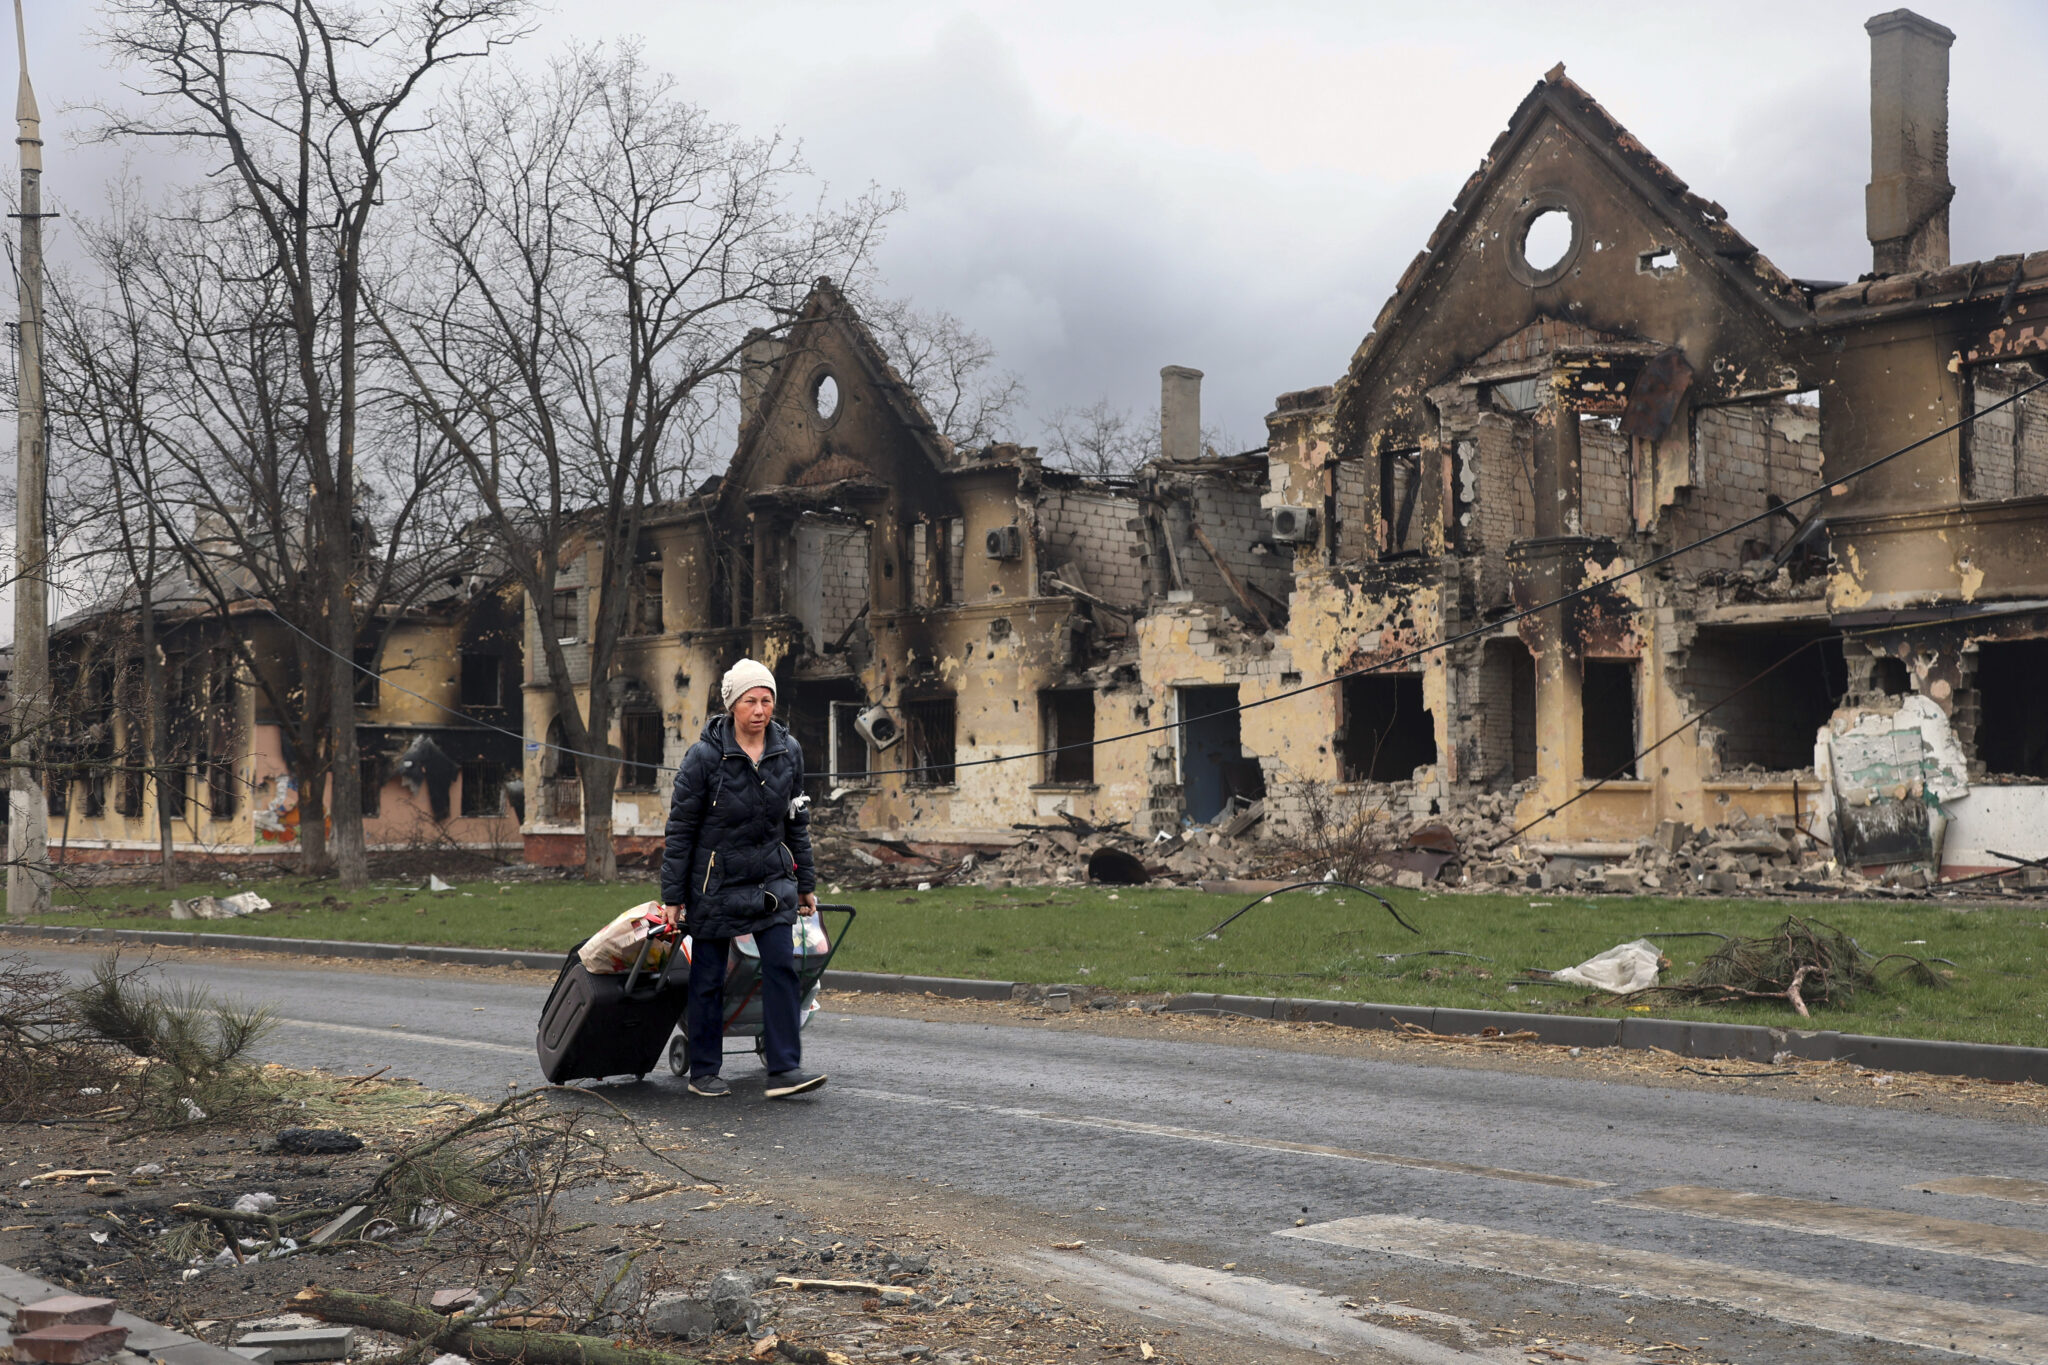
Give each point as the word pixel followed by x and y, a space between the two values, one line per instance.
pixel 1585 370
pixel 436 700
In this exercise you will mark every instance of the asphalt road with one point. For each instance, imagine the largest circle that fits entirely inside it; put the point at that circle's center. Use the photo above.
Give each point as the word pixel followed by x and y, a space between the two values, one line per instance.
pixel 1742 1227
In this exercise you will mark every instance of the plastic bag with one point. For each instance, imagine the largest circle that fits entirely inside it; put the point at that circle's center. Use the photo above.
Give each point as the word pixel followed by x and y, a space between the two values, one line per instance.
pixel 1623 968
pixel 616 947
pixel 808 937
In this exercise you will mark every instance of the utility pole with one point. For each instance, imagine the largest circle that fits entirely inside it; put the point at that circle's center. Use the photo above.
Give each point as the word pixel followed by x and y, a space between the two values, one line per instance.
pixel 28 812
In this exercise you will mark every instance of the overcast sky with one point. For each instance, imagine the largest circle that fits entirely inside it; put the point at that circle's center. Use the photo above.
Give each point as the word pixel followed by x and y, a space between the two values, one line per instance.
pixel 1108 187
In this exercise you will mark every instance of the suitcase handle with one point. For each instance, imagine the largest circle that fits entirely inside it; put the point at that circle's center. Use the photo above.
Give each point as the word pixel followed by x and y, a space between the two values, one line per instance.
pixel 640 962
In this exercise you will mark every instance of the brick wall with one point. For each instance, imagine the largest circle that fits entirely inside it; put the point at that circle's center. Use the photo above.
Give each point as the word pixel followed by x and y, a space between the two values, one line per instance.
pixel 1740 452
pixel 1357 536
pixel 1102 534
pixel 1230 514
pixel 1603 480
pixel 2007 450
pixel 1506 508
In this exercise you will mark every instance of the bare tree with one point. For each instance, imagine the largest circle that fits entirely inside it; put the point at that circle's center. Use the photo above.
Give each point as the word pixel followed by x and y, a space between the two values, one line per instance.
pixel 950 368
pixel 1099 439
pixel 304 104
pixel 609 245
pixel 105 397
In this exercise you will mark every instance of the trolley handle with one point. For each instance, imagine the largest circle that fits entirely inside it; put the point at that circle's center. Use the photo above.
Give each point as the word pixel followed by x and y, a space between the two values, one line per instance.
pixel 640 962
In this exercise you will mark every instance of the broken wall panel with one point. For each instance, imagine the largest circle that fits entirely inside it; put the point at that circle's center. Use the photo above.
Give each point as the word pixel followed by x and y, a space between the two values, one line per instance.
pixel 2005 449
pixel 1096 536
pixel 1744 454
pixel 1228 511
pixel 829 582
pixel 1498 708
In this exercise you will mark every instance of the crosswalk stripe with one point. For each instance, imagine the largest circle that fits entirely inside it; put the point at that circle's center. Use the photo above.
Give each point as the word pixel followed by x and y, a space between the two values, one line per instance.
pixel 1570 1182
pixel 1996 1334
pixel 1883 1227
pixel 2010 1188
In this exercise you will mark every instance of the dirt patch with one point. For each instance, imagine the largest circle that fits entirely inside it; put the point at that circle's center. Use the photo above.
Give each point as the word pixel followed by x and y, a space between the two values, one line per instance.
pixel 630 1225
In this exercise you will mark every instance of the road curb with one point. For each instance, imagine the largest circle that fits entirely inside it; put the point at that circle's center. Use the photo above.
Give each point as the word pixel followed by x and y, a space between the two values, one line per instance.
pixel 1686 1038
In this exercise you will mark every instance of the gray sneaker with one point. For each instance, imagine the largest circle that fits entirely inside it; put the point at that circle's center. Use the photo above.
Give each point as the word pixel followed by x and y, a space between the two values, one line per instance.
pixel 710 1087
pixel 783 1084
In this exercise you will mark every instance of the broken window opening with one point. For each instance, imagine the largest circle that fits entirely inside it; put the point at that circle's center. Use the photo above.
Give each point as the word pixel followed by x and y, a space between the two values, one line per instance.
pixel 929 731
pixel 563 621
pixel 170 791
pixel 1217 778
pixel 223 737
pixel 370 770
pixel 2004 452
pixel 743 576
pixel 1066 716
pixel 640 741
pixel 1608 723
pixel 1888 677
pixel 483 682
pixel 1400 488
pixel 1384 732
pixel 1506 714
pixel 1520 395
pixel 1347 514
pixel 849 751
pixel 483 788
pixel 561 794
pixel 369 686
pixel 2012 709
pixel 1771 690
pixel 719 607
pixel 644 610
pixel 811 708
pixel 1547 239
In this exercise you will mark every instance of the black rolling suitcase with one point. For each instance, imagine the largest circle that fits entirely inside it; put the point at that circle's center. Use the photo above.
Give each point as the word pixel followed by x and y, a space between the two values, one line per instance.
pixel 607 1024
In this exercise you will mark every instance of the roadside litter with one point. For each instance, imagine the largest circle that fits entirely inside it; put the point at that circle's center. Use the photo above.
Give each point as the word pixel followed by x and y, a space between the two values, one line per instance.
pixel 219 907
pixel 1623 969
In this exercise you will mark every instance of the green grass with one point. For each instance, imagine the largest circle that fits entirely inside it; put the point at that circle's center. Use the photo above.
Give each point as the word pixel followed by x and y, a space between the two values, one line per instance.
pixel 1327 946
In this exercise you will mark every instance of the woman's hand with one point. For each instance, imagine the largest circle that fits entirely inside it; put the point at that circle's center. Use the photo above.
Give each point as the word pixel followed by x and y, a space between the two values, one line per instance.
pixel 807 903
pixel 670 915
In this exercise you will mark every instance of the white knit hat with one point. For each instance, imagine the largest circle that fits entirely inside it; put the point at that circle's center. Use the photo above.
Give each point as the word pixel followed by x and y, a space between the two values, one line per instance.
pixel 742 677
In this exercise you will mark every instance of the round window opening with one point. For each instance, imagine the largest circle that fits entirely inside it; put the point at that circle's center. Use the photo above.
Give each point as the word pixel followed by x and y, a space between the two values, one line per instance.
pixel 825 397
pixel 1547 240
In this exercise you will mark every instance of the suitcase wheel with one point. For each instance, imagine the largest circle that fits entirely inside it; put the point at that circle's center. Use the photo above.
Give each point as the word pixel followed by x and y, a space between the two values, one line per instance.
pixel 679 1055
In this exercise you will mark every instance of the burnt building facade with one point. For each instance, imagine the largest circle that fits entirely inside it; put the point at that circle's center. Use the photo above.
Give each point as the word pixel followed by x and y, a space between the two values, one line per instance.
pixel 1585 372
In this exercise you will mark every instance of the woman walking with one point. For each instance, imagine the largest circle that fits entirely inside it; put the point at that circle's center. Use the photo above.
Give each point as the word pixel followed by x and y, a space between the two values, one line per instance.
pixel 738 861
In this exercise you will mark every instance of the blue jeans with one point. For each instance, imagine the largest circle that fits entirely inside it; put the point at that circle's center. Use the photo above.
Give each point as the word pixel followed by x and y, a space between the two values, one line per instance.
pixel 781 1005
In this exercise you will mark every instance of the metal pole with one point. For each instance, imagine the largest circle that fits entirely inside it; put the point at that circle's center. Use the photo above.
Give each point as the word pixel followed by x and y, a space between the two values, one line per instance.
pixel 28 814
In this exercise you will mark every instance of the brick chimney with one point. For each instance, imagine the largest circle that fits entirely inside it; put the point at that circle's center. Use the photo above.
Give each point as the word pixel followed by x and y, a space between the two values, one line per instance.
pixel 1906 202
pixel 1180 413
pixel 758 357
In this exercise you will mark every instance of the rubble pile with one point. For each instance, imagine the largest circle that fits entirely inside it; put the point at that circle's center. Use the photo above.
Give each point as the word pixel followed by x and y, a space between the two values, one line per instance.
pixel 1746 857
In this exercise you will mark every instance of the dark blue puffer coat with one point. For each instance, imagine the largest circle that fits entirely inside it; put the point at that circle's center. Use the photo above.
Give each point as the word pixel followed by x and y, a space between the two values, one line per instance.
pixel 736 836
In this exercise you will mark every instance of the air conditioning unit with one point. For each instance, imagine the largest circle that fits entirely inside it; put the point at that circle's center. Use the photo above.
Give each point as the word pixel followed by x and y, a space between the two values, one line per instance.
pixel 878 727
pixel 1005 542
pixel 1293 525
